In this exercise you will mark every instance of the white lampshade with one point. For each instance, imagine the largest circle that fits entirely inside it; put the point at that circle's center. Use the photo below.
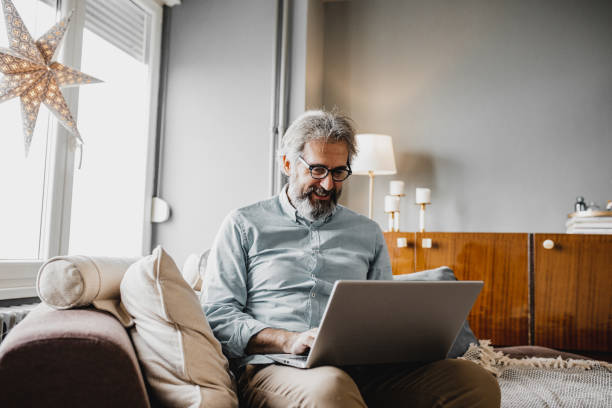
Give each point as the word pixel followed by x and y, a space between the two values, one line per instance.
pixel 375 155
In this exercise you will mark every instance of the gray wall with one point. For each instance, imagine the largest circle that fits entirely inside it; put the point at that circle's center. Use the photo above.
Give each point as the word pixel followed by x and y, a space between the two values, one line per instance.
pixel 307 53
pixel 216 149
pixel 315 46
pixel 502 108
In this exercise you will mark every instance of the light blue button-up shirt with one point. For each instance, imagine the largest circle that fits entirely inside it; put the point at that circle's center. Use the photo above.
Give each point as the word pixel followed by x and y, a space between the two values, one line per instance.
pixel 270 267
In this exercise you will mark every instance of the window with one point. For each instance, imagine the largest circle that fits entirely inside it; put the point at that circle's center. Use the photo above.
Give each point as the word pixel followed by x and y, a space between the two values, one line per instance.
pixel 48 206
pixel 109 194
pixel 22 179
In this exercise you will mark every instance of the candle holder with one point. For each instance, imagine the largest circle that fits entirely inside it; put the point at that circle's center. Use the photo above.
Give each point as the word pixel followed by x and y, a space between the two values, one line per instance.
pixel 392 203
pixel 393 221
pixel 422 216
pixel 423 199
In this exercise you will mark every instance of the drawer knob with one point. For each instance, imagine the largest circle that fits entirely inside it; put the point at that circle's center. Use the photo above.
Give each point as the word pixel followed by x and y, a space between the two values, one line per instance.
pixel 548 244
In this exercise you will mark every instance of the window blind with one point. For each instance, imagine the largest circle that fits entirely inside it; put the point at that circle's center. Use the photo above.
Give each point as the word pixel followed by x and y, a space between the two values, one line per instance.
pixel 122 23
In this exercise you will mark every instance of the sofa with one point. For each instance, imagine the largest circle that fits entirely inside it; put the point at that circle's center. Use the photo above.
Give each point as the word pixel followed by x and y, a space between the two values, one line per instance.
pixel 69 358
pixel 84 356
pixel 88 345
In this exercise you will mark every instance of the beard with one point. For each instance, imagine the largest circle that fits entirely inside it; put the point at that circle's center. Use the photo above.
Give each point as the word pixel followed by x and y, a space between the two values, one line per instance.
pixel 308 206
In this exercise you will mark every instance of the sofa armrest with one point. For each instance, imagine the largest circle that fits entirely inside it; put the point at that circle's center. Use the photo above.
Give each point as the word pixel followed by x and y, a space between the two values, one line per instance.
pixel 78 357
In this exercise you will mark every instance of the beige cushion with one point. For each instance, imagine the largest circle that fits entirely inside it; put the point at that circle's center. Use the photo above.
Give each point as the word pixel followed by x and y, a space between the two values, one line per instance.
pixel 180 356
pixel 65 282
pixel 194 268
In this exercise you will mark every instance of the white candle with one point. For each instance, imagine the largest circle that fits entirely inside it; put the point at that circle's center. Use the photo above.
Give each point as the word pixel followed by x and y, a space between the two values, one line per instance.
pixel 391 203
pixel 396 187
pixel 423 195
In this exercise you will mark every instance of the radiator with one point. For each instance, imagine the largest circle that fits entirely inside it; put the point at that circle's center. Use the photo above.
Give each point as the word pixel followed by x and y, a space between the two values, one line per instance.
pixel 11 315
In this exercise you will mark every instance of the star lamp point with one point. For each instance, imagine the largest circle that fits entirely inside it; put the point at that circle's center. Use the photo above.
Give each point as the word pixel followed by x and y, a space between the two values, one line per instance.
pixel 30 74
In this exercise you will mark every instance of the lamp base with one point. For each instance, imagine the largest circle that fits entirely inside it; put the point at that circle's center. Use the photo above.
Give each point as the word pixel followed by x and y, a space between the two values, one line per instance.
pixel 371 202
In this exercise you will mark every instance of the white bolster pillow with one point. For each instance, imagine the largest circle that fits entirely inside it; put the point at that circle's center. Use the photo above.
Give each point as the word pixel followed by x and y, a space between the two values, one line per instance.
pixel 65 282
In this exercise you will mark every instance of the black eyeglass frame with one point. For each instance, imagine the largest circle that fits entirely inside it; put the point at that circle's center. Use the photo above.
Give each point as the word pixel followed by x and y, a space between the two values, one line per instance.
pixel 327 170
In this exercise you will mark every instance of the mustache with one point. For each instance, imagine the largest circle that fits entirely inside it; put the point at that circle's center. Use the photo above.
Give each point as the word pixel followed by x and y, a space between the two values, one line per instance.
pixel 320 191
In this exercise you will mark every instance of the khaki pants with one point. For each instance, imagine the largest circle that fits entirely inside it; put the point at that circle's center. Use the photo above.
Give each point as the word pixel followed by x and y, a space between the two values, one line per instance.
pixel 446 383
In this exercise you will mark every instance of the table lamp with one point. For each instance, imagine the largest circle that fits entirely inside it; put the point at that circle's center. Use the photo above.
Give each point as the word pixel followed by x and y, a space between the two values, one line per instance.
pixel 375 158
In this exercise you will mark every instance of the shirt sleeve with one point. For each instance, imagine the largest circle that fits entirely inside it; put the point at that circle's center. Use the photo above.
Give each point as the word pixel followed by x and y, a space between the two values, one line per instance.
pixel 380 267
pixel 224 290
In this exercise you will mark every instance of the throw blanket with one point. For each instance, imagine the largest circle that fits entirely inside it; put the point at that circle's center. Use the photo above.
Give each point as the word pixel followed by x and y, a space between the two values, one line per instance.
pixel 545 382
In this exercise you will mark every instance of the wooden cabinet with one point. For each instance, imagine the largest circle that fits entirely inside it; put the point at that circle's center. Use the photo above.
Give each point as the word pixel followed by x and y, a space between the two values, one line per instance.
pixel 559 297
pixel 501 312
pixel 402 257
pixel 573 292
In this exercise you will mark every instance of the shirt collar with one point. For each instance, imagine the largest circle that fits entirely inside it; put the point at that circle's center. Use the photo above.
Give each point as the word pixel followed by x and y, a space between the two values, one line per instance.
pixel 287 207
pixel 293 213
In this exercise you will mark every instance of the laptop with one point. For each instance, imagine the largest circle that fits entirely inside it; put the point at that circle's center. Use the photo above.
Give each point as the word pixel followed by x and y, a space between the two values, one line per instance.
pixel 377 322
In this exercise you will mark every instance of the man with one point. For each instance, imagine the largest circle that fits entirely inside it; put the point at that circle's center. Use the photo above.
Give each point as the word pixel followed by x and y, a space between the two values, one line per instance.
pixel 270 274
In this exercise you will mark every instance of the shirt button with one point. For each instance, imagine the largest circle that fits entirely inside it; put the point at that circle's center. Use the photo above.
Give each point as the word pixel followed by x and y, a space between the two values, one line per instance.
pixel 313 295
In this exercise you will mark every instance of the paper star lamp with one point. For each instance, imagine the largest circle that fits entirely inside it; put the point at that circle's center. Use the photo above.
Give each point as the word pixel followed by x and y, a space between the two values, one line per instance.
pixel 31 74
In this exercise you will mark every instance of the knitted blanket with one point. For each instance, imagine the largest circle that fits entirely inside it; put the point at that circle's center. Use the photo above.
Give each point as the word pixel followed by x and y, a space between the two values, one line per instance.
pixel 545 382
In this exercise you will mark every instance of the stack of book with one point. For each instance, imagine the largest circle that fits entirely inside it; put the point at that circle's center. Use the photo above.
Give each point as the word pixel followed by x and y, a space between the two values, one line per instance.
pixel 589 222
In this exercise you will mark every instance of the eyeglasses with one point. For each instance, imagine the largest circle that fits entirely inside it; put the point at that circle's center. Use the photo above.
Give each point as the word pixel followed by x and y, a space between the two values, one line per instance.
pixel 319 172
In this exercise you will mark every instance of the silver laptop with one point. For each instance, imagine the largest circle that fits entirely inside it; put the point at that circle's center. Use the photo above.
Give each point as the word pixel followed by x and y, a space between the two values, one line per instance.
pixel 377 322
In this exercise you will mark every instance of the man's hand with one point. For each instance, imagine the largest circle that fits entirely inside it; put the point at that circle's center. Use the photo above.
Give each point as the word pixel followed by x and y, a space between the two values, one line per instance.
pixel 270 341
pixel 299 343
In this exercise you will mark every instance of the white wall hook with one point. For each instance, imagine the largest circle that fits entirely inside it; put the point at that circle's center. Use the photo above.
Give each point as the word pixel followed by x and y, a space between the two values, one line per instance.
pixel 160 210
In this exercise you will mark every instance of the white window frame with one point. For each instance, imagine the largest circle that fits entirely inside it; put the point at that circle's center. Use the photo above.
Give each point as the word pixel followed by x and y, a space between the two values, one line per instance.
pixel 18 277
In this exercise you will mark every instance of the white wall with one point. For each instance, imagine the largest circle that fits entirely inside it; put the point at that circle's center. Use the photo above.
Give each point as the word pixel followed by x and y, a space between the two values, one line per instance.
pixel 502 108
pixel 216 150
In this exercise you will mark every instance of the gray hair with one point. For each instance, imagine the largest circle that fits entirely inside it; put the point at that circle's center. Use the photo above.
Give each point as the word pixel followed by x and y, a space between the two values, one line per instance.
pixel 319 125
